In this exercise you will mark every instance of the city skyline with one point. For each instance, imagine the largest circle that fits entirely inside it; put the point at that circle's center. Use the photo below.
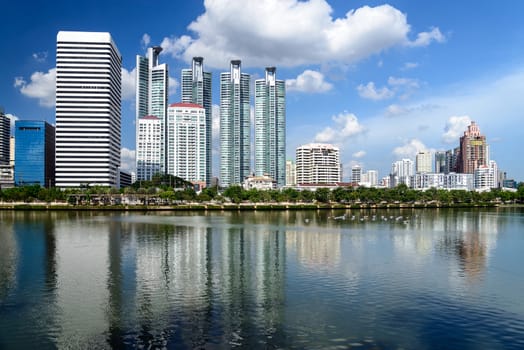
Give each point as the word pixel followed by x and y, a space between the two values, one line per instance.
pixel 411 79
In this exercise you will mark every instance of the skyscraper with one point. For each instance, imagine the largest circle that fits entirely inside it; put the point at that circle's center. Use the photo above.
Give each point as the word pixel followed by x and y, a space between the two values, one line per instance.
pixel 235 145
pixel 149 141
pixel 5 135
pixel 356 173
pixel 152 85
pixel 186 147
pixel 270 127
pixel 440 162
pixel 88 99
pixel 473 150
pixel 423 162
pixel 318 163
pixel 196 88
pixel 35 153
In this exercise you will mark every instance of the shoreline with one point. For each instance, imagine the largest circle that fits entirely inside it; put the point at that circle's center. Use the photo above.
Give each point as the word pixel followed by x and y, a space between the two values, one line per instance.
pixel 246 206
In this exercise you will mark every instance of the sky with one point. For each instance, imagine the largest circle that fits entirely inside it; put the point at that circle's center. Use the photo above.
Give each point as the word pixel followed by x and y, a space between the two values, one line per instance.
pixel 380 80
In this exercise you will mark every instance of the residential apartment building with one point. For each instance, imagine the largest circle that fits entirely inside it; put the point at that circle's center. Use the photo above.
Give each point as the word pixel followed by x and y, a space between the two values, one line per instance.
pixel 423 162
pixel 35 153
pixel 356 174
pixel 196 88
pixel 270 127
pixel 5 135
pixel 186 142
pixel 149 140
pixel 291 173
pixel 318 163
pixel 474 150
pixel 152 86
pixel 88 115
pixel 235 126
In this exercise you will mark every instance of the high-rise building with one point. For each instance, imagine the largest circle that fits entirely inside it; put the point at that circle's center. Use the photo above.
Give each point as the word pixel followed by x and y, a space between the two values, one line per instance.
pixel 473 150
pixel 485 177
pixel 148 143
pixel 5 135
pixel 423 162
pixel 152 86
pixel 35 153
pixel 317 163
pixel 88 115
pixel 291 173
pixel 186 147
pixel 356 174
pixel 235 132
pixel 440 162
pixel 196 88
pixel 270 127
pixel 402 172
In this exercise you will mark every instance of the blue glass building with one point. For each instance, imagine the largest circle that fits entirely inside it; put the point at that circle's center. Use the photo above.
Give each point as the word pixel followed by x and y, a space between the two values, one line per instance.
pixel 34 153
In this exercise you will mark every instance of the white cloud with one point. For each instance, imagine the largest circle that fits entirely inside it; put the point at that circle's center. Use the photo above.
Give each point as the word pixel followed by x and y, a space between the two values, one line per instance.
pixel 128 84
pixel 346 125
pixel 410 83
pixel 359 154
pixel 394 110
pixel 425 38
pixel 290 33
pixel 173 86
pixel 40 56
pixel 42 87
pixel 127 160
pixel 410 65
pixel 175 46
pixel 455 127
pixel 146 40
pixel 309 81
pixel 369 91
pixel 410 149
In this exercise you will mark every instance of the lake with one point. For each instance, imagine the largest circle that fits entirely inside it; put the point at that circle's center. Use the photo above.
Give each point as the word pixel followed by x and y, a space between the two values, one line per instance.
pixel 312 279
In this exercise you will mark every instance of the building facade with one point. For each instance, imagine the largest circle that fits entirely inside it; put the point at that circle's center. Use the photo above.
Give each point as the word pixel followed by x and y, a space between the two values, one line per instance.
pixel 318 163
pixel 235 126
pixel 5 136
pixel 486 177
pixel 35 153
pixel 356 174
pixel 473 150
pixel 270 127
pixel 291 173
pixel 197 88
pixel 423 162
pixel 186 142
pixel 401 172
pixel 149 141
pixel 152 86
pixel 88 112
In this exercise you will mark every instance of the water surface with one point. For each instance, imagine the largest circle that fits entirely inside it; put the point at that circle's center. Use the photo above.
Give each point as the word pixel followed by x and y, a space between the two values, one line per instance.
pixel 396 279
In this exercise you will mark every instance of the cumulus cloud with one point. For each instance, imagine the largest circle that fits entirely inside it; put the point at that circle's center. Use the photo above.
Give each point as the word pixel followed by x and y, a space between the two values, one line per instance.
pixel 455 127
pixel 346 125
pixel 410 149
pixel 425 38
pixel 370 92
pixel 359 154
pixel 146 40
pixel 291 33
pixel 41 86
pixel 128 84
pixel 309 81
pixel 407 82
pixel 175 46
pixel 127 160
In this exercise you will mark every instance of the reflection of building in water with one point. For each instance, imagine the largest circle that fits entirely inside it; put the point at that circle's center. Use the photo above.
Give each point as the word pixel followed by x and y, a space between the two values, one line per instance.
pixel 8 259
pixel 315 249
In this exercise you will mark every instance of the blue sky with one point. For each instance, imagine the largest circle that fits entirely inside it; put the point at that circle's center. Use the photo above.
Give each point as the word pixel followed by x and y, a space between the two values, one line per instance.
pixel 380 80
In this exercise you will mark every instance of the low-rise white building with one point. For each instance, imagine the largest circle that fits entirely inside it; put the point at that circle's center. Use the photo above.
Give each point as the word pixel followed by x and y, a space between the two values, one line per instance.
pixel 263 182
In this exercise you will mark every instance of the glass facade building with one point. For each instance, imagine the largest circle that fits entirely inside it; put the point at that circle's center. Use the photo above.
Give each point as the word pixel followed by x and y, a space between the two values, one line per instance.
pixel 270 127
pixel 34 153
pixel 235 124
pixel 196 88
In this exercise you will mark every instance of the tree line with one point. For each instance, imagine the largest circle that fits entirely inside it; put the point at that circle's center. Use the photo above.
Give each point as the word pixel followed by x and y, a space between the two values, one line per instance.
pixel 168 189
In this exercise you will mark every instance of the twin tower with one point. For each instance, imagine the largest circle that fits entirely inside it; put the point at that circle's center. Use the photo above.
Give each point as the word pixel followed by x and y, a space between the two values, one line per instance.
pixel 164 131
